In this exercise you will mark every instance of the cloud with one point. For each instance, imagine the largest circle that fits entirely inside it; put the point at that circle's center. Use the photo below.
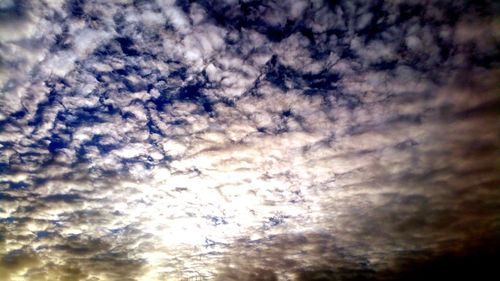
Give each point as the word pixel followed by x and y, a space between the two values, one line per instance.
pixel 153 140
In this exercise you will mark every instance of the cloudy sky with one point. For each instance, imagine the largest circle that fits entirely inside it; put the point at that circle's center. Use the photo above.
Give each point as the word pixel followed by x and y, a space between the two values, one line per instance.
pixel 248 140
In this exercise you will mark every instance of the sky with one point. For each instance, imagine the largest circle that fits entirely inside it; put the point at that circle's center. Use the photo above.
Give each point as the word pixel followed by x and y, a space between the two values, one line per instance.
pixel 249 140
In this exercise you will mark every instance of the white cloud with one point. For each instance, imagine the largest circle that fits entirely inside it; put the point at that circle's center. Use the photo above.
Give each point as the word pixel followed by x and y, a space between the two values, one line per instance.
pixel 122 167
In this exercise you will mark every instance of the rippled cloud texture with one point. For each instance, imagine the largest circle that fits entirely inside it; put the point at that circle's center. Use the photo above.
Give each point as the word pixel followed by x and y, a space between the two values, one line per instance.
pixel 248 140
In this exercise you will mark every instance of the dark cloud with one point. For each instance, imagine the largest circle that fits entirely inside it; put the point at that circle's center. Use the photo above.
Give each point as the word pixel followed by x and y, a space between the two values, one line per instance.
pixel 13 11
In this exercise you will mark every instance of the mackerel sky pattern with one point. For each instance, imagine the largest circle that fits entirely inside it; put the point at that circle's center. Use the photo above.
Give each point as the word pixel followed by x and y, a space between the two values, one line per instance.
pixel 249 140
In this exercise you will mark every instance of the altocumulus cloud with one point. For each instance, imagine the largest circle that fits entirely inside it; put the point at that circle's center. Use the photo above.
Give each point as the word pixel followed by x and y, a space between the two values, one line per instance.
pixel 248 140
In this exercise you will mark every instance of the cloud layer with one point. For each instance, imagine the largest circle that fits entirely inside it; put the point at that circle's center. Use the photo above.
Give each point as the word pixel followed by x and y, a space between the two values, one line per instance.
pixel 226 140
